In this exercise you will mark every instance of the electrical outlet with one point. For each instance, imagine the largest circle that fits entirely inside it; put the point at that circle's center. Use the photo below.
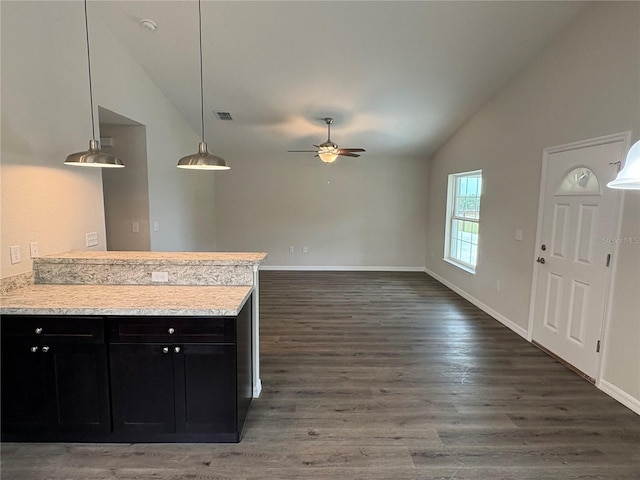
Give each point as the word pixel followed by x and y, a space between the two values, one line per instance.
pixel 91 239
pixel 156 225
pixel 292 250
pixel 518 235
pixel 135 226
pixel 34 250
pixel 160 277
pixel 305 249
pixel 16 257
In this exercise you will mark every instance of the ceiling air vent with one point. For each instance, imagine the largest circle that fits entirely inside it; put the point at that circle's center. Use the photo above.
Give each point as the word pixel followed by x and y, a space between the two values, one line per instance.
pixel 223 115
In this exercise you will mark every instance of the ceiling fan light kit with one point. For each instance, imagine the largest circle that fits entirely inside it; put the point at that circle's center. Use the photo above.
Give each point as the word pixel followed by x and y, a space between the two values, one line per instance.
pixel 202 160
pixel 93 157
pixel 329 151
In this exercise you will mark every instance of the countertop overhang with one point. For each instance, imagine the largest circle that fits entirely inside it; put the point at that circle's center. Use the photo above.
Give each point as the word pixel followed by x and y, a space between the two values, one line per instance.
pixel 149 300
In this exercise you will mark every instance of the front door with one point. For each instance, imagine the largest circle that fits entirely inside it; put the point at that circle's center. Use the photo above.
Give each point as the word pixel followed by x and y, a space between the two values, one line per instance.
pixel 576 235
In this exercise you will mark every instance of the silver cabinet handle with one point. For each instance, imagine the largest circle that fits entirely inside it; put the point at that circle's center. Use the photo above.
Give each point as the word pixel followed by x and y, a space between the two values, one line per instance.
pixel 34 349
pixel 38 330
pixel 176 349
pixel 171 331
pixel 165 349
pixel 45 349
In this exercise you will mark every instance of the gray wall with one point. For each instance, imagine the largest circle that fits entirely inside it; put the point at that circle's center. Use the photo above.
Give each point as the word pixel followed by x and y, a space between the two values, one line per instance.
pixel 585 85
pixel 365 212
pixel 126 191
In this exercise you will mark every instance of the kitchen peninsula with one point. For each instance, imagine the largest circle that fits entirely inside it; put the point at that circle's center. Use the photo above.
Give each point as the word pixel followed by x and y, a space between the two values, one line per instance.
pixel 121 325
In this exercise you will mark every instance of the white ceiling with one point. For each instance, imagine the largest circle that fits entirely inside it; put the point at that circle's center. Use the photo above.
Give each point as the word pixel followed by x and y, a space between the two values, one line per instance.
pixel 399 77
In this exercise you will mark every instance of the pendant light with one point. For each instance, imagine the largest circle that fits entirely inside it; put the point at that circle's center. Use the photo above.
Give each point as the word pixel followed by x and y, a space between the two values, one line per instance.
pixel 202 160
pixel 93 157
pixel 629 177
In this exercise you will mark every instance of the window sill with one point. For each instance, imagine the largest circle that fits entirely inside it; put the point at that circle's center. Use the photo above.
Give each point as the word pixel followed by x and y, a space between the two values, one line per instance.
pixel 462 267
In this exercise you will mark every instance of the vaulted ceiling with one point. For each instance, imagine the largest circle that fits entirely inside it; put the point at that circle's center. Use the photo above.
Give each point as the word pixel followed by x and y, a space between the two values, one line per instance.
pixel 399 77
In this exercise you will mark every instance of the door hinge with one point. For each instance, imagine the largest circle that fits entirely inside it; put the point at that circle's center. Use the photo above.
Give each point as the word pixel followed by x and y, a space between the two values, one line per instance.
pixel 598 347
pixel 608 259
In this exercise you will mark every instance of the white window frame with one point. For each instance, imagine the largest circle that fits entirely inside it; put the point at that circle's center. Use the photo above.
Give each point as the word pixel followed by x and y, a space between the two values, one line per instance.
pixel 451 217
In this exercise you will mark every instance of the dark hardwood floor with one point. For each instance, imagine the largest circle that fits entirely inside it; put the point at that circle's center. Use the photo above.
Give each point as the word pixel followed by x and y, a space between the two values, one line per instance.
pixel 383 376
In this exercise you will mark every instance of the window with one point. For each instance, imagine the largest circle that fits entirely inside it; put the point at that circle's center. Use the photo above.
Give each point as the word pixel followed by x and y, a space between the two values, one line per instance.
pixel 579 181
pixel 463 219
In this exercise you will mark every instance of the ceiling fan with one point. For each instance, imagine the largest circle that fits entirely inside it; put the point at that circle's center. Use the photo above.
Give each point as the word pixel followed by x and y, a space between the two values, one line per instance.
pixel 329 151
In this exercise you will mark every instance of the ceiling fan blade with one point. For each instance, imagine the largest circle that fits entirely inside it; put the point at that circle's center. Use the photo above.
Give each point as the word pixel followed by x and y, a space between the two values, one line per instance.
pixel 352 150
pixel 301 151
pixel 347 154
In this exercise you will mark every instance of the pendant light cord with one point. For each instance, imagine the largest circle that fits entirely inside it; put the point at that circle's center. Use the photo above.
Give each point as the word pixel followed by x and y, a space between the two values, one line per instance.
pixel 86 27
pixel 201 68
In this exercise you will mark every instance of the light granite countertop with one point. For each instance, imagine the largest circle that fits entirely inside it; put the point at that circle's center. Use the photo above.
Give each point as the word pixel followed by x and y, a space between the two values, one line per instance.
pixel 159 258
pixel 156 300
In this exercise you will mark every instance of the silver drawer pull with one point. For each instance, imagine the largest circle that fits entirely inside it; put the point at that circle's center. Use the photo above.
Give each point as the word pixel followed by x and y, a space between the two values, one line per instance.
pixel 171 331
pixel 176 349
pixel 34 349
pixel 38 330
pixel 165 349
pixel 45 349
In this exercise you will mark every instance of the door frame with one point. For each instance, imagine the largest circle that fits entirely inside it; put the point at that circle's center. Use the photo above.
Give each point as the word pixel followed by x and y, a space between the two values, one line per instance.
pixel 625 138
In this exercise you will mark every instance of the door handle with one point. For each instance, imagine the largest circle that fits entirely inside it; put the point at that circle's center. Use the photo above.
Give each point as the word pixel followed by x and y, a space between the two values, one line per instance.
pixel 540 260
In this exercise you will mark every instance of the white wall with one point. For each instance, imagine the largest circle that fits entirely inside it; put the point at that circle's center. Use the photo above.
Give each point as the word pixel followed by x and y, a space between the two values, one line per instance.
pixel 585 85
pixel 362 212
pixel 45 116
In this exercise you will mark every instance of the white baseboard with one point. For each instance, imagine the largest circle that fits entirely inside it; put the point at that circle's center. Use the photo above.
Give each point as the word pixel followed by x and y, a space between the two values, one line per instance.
pixel 485 308
pixel 620 395
pixel 341 268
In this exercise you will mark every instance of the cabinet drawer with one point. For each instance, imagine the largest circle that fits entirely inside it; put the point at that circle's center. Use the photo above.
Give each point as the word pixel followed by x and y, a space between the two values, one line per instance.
pixel 53 328
pixel 172 329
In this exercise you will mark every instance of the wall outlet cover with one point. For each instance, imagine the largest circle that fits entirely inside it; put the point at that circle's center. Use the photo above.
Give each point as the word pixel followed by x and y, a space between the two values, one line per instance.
pixel 160 277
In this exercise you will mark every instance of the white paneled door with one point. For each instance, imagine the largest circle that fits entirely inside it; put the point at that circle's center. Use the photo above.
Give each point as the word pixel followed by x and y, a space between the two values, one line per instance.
pixel 576 238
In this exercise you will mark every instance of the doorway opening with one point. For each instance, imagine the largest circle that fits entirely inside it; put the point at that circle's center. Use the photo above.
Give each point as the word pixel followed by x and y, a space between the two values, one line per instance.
pixel 125 191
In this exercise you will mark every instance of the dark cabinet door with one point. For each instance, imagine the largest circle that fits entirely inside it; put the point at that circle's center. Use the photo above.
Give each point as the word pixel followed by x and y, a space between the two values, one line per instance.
pixel 24 395
pixel 78 387
pixel 142 388
pixel 161 389
pixel 51 390
pixel 205 388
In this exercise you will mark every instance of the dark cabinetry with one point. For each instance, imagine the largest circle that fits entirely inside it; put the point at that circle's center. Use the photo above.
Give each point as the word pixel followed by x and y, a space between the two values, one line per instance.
pixel 126 379
pixel 54 378
pixel 184 378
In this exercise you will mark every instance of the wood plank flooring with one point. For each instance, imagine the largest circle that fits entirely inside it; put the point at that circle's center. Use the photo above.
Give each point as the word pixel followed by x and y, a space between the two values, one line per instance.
pixel 372 375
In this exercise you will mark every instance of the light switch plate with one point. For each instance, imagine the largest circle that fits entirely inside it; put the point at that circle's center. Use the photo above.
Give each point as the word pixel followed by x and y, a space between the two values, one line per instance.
pixel 14 251
pixel 91 239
